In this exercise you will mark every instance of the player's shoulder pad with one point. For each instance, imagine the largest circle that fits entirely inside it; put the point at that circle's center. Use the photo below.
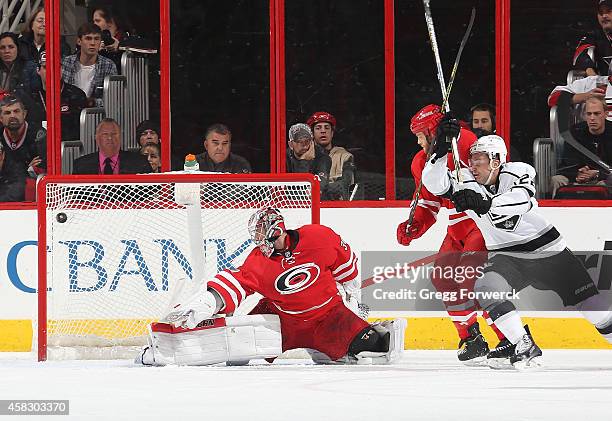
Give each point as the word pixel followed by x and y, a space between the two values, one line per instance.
pixel 517 170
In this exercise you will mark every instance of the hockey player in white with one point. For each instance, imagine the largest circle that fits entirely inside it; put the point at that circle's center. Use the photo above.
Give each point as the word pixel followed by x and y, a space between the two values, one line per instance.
pixel 499 197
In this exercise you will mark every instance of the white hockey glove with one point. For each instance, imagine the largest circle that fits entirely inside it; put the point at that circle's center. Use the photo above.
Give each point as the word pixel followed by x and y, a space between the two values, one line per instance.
pixel 190 313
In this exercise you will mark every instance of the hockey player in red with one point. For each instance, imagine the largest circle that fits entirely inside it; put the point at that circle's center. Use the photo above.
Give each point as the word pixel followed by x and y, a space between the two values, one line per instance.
pixel 461 235
pixel 296 272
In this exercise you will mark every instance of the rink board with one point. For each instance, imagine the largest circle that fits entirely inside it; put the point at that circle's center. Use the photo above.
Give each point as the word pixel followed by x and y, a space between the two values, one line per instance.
pixel 366 229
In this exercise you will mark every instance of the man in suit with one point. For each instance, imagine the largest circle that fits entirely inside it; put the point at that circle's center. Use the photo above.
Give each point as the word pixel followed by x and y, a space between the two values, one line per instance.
pixel 110 159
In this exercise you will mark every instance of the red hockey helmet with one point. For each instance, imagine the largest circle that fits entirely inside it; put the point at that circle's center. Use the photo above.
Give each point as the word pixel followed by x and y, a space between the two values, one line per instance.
pixel 426 120
pixel 320 117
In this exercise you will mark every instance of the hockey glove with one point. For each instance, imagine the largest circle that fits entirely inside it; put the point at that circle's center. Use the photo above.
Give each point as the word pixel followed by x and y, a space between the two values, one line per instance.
pixel 190 313
pixel 447 129
pixel 405 233
pixel 471 200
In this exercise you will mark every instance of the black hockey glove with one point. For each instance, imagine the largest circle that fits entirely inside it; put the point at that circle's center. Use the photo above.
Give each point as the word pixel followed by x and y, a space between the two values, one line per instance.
pixel 449 126
pixel 447 129
pixel 471 200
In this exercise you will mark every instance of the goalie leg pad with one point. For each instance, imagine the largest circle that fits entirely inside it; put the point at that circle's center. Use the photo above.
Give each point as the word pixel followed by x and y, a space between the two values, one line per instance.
pixel 218 340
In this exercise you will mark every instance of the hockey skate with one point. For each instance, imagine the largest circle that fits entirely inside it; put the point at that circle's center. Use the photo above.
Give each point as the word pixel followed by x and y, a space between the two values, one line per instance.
pixel 527 355
pixel 473 350
pixel 499 357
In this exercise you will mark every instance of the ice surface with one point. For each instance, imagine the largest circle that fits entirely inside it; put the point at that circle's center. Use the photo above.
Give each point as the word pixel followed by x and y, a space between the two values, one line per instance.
pixel 426 385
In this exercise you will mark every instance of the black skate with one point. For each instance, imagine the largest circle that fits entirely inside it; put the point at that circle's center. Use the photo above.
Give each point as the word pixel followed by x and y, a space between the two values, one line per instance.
pixel 473 350
pixel 499 357
pixel 527 355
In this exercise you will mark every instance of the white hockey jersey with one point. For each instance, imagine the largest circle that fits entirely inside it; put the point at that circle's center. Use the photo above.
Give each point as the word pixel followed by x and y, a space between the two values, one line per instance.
pixel 513 223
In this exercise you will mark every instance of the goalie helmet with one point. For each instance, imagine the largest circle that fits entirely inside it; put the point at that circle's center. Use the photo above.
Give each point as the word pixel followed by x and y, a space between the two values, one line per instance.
pixel 494 146
pixel 321 117
pixel 426 120
pixel 265 226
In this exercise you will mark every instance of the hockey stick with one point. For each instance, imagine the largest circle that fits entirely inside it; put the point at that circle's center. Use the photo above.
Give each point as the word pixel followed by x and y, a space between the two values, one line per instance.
pixel 445 92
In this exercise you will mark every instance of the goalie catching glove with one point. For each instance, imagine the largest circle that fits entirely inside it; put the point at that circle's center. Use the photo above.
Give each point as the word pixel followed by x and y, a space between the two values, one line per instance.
pixel 189 314
pixel 471 200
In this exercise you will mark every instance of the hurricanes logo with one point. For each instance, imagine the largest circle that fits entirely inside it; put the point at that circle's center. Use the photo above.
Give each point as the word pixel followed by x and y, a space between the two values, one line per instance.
pixel 297 278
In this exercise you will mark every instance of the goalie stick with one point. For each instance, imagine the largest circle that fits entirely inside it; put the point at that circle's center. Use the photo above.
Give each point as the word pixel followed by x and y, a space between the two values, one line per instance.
pixel 445 93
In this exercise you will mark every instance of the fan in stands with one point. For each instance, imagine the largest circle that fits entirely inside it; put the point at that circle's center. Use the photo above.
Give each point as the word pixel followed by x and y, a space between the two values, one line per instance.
pixel 296 272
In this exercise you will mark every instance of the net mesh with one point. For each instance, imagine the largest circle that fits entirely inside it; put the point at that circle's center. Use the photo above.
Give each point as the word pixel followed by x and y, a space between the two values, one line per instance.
pixel 119 254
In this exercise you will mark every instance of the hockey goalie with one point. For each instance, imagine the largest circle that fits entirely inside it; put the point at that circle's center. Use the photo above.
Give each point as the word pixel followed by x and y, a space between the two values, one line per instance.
pixel 296 272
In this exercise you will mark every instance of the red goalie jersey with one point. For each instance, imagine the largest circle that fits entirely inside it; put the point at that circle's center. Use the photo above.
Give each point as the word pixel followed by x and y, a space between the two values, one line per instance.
pixel 459 224
pixel 301 281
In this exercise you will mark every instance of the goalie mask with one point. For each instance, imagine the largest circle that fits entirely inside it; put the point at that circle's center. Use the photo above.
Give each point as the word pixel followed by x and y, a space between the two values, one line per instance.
pixel 265 226
pixel 426 120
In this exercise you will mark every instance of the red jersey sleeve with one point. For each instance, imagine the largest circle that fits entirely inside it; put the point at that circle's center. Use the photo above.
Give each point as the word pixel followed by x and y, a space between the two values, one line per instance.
pixel 233 286
pixel 428 204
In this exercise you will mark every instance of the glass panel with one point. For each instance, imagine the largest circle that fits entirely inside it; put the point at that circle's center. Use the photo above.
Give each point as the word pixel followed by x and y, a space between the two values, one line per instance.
pixel 220 74
pixel 335 63
pixel 128 42
pixel 416 83
pixel 542 57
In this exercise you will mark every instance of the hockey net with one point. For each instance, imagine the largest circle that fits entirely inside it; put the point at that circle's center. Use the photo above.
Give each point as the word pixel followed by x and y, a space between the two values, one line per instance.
pixel 120 249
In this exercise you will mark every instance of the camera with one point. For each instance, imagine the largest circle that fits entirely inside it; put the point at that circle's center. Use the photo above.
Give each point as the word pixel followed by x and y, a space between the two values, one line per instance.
pixel 107 38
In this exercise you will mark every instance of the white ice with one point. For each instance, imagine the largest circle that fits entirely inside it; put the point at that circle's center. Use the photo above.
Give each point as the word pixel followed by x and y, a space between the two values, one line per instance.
pixel 426 385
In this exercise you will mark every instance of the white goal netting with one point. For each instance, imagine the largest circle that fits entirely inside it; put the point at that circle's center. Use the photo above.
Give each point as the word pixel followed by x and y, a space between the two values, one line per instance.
pixel 118 253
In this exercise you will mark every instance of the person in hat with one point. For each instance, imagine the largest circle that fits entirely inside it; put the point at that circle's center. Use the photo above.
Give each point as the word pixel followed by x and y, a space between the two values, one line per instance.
pixel 594 49
pixel 305 156
pixel 342 172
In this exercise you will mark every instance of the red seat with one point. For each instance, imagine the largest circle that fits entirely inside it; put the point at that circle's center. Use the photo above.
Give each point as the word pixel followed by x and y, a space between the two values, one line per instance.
pixel 581 191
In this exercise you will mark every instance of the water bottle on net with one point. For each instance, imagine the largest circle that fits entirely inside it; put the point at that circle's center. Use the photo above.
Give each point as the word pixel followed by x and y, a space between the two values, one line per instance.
pixel 191 163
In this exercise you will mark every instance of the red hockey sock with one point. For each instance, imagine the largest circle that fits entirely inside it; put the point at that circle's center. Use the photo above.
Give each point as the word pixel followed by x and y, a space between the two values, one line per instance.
pixel 498 332
pixel 462 320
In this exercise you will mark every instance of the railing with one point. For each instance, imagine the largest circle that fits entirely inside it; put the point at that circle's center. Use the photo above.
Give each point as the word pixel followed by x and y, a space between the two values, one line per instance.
pixel 135 67
pixel 545 164
pixel 10 19
pixel 71 149
pixel 115 97
pixel 90 117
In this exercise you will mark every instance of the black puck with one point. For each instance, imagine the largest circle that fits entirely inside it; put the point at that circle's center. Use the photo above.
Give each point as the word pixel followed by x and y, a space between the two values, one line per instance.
pixel 61 217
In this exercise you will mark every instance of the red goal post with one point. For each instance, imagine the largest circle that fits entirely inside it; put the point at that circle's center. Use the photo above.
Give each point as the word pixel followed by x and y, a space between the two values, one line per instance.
pixel 114 251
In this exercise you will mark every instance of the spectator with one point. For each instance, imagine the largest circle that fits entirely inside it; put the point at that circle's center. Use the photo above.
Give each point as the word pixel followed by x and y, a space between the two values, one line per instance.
pixel 32 39
pixel 600 40
pixel 12 178
pixel 114 32
pixel 87 69
pixel 482 118
pixel 110 159
pixel 583 89
pixel 153 153
pixel 148 132
pixel 595 133
pixel 217 156
pixel 24 142
pixel 72 101
pixel 342 173
pixel 16 74
pixel 305 156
